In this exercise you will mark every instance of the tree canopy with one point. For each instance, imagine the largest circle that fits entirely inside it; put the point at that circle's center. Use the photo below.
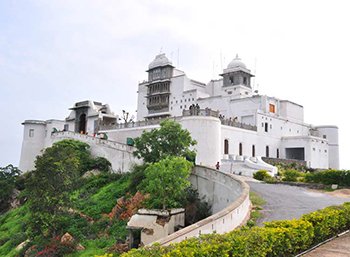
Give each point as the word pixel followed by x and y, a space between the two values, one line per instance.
pixel 166 180
pixel 170 140
pixel 8 178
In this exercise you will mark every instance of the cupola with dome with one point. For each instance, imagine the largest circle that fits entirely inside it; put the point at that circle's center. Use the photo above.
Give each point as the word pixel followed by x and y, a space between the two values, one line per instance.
pixel 237 74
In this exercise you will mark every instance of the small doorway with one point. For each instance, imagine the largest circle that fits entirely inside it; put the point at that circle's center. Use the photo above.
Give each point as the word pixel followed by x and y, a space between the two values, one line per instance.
pixel 226 146
pixel 267 151
pixel 240 149
pixel 253 150
pixel 82 124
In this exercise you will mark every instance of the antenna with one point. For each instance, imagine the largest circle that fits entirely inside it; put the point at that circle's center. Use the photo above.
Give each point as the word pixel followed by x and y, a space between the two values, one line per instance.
pixel 221 58
pixel 171 55
pixel 255 72
pixel 161 50
pixel 213 69
pixel 178 56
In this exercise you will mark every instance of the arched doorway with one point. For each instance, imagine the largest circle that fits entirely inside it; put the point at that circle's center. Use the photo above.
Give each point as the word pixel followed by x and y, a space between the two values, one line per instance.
pixel 226 146
pixel 253 150
pixel 82 123
pixel 267 151
pixel 240 149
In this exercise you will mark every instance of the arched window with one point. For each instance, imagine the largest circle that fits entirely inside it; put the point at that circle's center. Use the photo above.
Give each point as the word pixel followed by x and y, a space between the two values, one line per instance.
pixel 253 150
pixel 278 153
pixel 240 149
pixel 267 151
pixel 226 146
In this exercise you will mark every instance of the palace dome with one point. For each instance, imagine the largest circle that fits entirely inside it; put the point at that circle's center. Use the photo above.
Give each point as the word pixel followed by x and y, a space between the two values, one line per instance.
pixel 237 62
pixel 160 60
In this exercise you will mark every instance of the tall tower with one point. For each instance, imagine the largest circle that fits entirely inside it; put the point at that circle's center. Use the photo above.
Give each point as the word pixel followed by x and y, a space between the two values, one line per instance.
pixel 33 142
pixel 158 86
pixel 237 79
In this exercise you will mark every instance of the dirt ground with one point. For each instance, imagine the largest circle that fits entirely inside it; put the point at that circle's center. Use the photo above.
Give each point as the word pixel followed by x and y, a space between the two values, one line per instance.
pixel 343 193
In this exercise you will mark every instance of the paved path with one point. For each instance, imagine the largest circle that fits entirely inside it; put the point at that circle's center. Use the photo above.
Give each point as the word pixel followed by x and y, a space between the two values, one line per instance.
pixel 285 202
pixel 339 247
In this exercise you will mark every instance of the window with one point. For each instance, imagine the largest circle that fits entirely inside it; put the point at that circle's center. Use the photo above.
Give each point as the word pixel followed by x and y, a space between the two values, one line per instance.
pixel 267 151
pixel 240 149
pixel 314 149
pixel 278 153
pixel 180 106
pixel 281 128
pixel 325 151
pixel 246 93
pixel 176 101
pixel 189 99
pixel 244 80
pixel 192 99
pixel 66 127
pixel 185 107
pixel 226 146
pixel 185 100
pixel 31 133
pixel 253 150
pixel 272 108
pixel 171 102
pixel 270 126
pixel 229 92
pixel 181 101
pixel 45 133
pixel 325 136
pixel 262 124
pixel 266 127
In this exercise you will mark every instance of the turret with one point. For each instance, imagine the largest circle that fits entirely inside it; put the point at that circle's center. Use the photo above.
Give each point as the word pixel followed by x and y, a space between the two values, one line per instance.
pixel 33 142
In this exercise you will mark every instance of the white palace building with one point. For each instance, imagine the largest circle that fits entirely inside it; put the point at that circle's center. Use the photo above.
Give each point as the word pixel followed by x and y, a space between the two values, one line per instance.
pixel 232 124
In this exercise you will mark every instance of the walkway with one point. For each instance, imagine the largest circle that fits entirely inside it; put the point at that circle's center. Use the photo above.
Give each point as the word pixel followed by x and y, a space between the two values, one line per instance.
pixel 339 247
pixel 285 202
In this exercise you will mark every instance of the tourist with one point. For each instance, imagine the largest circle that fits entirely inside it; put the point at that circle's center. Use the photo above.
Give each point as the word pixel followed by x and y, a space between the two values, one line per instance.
pixel 217 165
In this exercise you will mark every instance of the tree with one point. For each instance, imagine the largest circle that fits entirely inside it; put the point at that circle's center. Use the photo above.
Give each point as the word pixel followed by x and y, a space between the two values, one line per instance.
pixel 166 181
pixel 50 184
pixel 168 141
pixel 8 177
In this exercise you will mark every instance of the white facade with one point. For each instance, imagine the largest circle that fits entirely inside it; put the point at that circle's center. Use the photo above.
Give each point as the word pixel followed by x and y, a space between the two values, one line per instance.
pixel 280 128
pixel 246 125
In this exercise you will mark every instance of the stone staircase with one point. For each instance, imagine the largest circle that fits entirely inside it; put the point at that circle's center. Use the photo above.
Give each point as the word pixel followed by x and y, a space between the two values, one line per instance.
pixel 237 167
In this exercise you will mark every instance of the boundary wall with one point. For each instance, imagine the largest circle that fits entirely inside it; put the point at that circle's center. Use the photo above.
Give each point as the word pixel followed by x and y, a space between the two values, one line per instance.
pixel 230 203
pixel 120 155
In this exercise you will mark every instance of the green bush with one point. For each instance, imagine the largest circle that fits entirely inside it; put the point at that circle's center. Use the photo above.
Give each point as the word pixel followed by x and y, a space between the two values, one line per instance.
pixel 292 175
pixel 270 180
pixel 279 238
pixel 329 177
pixel 261 175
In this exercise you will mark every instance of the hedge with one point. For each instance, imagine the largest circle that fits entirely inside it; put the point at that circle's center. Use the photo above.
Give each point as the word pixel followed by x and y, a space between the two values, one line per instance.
pixel 329 177
pixel 277 238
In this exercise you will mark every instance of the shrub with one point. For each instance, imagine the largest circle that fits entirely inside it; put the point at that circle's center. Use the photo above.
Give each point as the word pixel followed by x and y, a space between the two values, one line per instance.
pixel 292 175
pixel 279 238
pixel 261 174
pixel 329 177
pixel 270 180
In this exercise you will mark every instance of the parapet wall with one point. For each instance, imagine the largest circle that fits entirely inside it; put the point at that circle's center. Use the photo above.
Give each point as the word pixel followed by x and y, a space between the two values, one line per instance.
pixel 120 155
pixel 230 203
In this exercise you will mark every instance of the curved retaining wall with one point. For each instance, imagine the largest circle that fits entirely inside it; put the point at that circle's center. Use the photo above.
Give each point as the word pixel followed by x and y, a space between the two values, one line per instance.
pixel 230 204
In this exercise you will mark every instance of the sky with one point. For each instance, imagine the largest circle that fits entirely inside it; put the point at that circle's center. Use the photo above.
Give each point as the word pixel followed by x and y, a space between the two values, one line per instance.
pixel 56 53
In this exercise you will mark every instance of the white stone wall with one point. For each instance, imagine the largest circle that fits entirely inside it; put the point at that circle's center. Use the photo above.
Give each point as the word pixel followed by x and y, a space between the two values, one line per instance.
pixel 31 145
pixel 232 208
pixel 331 134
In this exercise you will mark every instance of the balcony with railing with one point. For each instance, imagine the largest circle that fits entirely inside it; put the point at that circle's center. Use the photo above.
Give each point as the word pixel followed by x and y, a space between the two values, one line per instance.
pixel 185 113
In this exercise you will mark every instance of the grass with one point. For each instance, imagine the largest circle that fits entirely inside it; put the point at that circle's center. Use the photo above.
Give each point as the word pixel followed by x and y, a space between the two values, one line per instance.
pixel 255 214
pixel 12 230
